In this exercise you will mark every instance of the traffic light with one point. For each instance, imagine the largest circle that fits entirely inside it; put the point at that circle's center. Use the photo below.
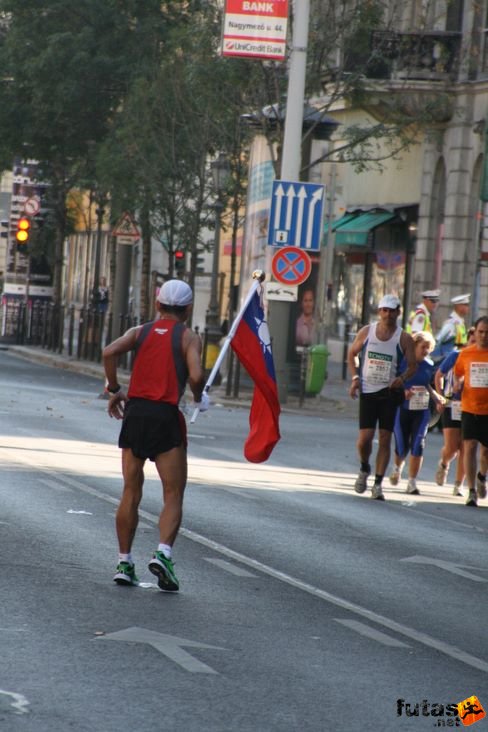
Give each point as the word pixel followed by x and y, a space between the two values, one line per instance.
pixel 200 263
pixel 23 233
pixel 180 262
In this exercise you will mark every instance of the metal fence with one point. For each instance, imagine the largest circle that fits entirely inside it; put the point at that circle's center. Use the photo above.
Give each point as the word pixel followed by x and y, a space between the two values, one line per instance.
pixel 79 333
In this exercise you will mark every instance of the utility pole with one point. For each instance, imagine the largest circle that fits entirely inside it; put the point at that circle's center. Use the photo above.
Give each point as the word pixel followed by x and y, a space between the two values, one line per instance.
pixel 279 312
pixel 120 300
pixel 326 263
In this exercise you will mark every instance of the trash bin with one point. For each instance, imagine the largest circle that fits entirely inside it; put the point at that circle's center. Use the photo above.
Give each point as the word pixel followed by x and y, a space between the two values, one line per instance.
pixel 211 355
pixel 316 369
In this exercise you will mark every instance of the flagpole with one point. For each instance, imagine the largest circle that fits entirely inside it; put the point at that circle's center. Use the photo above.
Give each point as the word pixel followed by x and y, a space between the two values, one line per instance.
pixel 258 277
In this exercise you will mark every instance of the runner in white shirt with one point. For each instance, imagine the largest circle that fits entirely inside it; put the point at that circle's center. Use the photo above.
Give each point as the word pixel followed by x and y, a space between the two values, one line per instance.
pixel 374 361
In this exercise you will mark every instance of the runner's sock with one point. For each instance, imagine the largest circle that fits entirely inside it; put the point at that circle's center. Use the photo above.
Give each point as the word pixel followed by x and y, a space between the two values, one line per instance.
pixel 482 477
pixel 166 549
pixel 378 479
pixel 366 468
pixel 126 558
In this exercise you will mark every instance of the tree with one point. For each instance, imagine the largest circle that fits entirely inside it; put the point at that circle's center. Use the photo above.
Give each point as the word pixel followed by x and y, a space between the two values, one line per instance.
pixel 156 158
pixel 65 70
pixel 131 100
pixel 350 59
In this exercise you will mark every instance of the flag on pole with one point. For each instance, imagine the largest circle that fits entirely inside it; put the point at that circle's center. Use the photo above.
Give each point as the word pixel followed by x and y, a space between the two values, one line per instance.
pixel 252 345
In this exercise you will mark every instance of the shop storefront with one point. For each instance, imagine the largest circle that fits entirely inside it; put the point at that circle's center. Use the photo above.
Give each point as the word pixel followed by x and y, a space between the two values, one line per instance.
pixel 373 255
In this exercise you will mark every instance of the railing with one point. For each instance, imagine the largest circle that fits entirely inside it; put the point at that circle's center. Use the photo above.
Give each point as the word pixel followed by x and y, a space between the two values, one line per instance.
pixel 429 55
pixel 80 333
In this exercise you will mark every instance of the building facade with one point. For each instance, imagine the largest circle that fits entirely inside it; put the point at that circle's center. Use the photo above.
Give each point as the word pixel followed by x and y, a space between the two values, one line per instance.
pixel 421 222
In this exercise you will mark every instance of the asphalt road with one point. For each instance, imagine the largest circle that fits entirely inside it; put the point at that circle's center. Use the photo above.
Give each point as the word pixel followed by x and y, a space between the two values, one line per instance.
pixel 302 606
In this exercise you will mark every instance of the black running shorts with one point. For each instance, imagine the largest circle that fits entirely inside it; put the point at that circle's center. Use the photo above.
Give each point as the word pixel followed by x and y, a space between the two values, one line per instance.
pixel 447 421
pixel 150 428
pixel 475 427
pixel 378 408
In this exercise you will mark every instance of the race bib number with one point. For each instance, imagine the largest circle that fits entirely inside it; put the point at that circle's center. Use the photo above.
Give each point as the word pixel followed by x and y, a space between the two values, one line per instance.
pixel 419 398
pixel 456 410
pixel 478 375
pixel 379 368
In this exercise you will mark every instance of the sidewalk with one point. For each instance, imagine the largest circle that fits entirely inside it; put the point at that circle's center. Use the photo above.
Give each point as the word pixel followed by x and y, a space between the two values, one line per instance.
pixel 334 399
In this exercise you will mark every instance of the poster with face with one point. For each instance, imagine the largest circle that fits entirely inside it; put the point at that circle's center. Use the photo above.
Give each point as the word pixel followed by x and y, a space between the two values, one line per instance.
pixel 305 317
pixel 305 322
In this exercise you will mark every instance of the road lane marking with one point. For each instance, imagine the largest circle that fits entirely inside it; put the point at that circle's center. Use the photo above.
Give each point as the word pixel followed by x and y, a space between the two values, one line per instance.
pixel 453 522
pixel 458 654
pixel 238 571
pixel 19 703
pixel 451 567
pixel 234 491
pixel 169 645
pixel 372 633
pixel 55 484
pixel 194 436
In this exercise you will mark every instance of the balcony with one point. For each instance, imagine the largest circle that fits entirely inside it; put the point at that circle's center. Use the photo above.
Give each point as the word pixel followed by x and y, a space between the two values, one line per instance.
pixel 430 56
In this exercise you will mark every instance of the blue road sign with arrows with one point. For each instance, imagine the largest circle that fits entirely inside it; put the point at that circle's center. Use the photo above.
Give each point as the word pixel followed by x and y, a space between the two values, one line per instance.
pixel 296 215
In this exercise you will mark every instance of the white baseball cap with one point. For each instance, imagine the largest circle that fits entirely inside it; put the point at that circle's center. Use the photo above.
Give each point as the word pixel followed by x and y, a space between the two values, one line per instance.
pixel 389 301
pixel 175 292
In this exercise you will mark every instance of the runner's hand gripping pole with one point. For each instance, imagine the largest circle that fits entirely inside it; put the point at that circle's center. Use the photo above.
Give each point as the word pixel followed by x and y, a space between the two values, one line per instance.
pixel 258 277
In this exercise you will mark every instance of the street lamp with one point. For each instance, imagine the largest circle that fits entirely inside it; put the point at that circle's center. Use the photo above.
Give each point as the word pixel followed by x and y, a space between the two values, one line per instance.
pixel 220 174
pixel 100 212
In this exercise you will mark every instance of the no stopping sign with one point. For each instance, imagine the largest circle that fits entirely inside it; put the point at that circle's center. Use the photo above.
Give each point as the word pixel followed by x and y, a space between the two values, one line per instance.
pixel 291 265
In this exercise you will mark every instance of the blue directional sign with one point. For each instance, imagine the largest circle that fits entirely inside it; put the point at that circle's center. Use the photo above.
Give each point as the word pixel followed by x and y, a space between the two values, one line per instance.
pixel 296 214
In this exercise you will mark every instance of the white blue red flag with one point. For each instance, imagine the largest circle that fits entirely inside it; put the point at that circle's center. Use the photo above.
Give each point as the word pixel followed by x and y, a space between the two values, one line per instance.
pixel 252 345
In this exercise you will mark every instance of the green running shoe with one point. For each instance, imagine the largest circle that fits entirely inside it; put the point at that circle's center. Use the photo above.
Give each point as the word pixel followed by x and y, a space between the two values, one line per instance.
pixel 164 570
pixel 126 574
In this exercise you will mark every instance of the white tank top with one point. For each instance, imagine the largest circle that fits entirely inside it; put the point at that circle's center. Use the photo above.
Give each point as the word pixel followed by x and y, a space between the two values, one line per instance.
pixel 379 360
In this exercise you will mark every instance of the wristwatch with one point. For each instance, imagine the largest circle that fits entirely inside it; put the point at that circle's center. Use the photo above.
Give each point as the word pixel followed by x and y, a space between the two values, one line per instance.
pixel 115 389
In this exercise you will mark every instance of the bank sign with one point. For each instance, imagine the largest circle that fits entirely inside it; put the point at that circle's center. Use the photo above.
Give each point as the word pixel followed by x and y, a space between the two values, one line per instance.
pixel 255 29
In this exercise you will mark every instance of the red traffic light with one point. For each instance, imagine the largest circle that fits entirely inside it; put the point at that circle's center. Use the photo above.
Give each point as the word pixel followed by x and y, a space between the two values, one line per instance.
pixel 23 226
pixel 179 254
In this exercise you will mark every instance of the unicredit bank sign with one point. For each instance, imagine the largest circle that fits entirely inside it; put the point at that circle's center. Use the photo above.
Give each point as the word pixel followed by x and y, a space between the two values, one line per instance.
pixel 255 29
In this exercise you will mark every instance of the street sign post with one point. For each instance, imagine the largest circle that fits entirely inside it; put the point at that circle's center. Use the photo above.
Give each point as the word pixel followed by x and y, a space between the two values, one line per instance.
pixel 279 312
pixel 255 29
pixel 296 215
pixel 125 230
pixel 277 291
pixel 291 265
pixel 32 206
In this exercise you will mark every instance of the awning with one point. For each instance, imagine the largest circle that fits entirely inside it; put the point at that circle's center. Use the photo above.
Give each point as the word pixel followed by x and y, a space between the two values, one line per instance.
pixel 353 230
pixel 340 222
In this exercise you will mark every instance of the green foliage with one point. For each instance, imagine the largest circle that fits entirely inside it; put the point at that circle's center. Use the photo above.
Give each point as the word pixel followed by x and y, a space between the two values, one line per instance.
pixel 66 69
pixel 129 99
pixel 156 154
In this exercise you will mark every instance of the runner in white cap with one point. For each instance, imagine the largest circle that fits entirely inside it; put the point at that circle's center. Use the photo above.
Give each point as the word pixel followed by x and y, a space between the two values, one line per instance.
pixel 374 362
pixel 167 355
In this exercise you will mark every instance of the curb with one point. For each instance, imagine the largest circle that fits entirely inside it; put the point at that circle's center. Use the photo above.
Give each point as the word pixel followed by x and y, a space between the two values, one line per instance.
pixel 313 406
